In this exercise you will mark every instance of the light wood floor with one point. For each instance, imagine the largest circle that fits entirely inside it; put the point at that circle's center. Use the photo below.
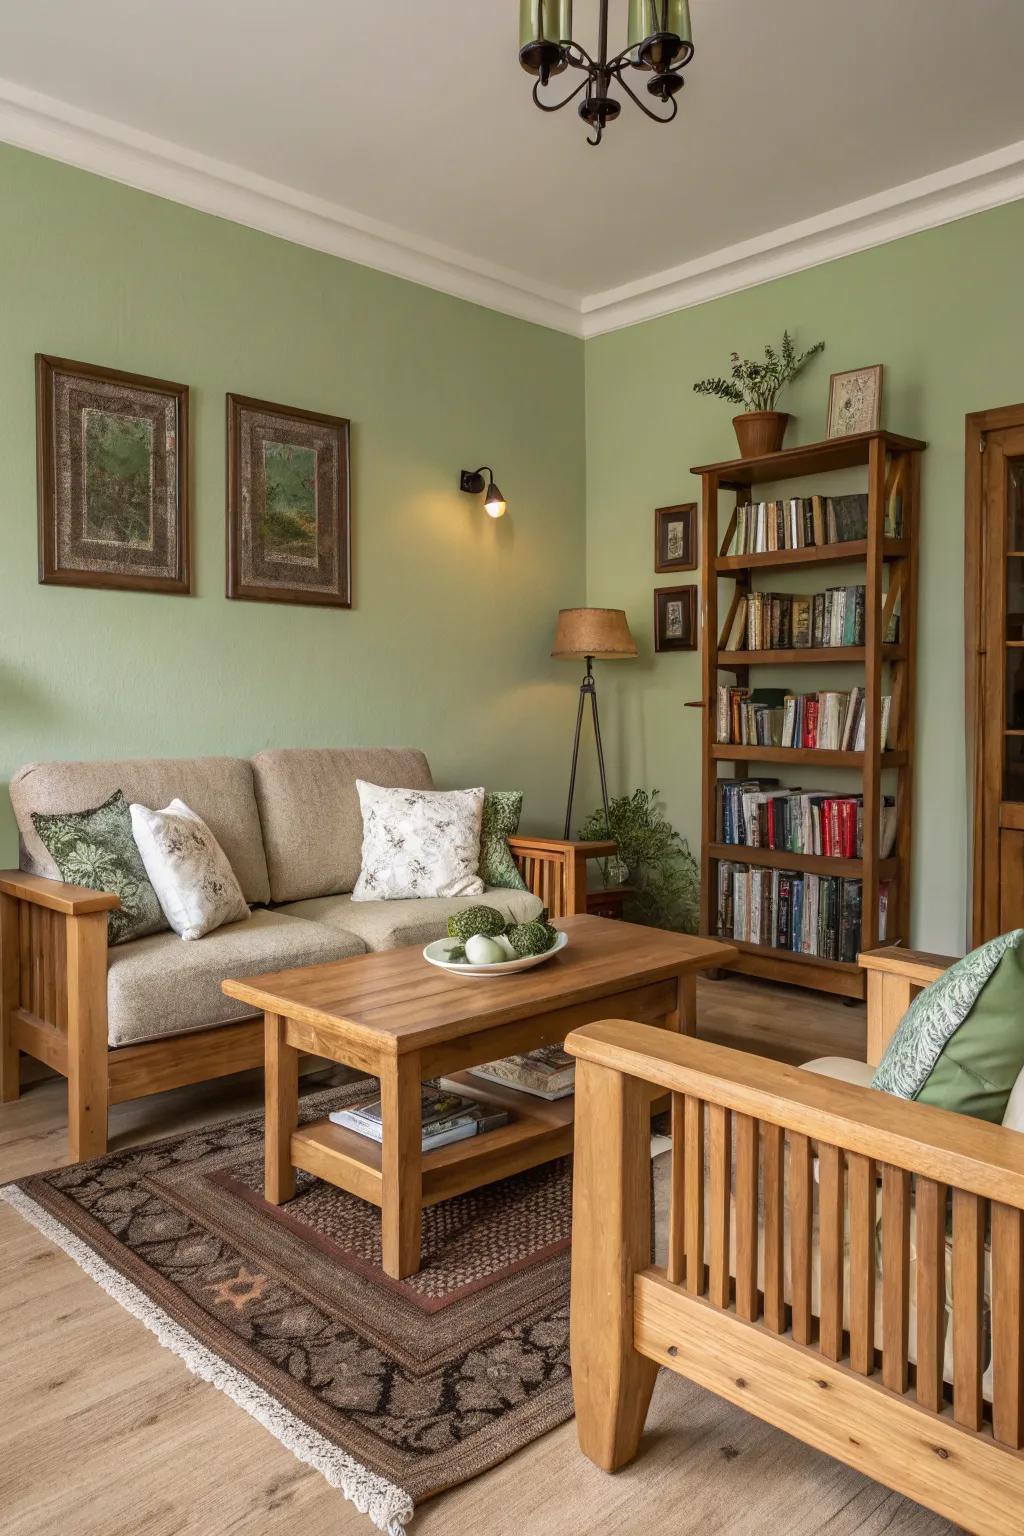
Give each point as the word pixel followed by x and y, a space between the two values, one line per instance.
pixel 104 1433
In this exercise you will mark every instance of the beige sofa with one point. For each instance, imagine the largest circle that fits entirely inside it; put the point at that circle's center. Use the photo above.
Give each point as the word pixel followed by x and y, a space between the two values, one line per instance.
pixel 150 1014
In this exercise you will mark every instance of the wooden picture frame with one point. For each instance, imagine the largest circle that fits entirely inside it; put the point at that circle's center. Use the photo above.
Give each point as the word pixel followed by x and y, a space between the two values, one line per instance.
pixel 675 538
pixel 675 618
pixel 855 401
pixel 112 460
pixel 289 534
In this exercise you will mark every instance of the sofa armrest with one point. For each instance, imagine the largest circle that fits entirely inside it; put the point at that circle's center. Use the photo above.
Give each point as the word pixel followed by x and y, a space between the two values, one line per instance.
pixel 69 900
pixel 555 869
pixel 894 976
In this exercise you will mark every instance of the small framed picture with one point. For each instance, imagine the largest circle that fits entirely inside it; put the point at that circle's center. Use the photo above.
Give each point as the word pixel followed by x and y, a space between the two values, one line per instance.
pixel 855 401
pixel 112 455
pixel 287 505
pixel 675 538
pixel 675 618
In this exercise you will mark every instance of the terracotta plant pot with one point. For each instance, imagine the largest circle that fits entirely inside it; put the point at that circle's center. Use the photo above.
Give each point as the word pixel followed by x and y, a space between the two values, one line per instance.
pixel 760 432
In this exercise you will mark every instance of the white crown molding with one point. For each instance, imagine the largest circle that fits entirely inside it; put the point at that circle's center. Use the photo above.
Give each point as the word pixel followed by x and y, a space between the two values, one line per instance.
pixel 53 128
pixel 32 121
pixel 953 193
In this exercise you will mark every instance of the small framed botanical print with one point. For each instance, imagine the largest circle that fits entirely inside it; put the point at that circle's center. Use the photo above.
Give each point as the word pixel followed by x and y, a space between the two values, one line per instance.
pixel 675 618
pixel 855 401
pixel 675 538
pixel 288 521
pixel 112 458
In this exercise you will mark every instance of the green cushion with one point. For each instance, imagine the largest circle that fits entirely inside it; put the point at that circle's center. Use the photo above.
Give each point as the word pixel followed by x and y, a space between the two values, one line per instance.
pixel 96 849
pixel 502 810
pixel 960 1044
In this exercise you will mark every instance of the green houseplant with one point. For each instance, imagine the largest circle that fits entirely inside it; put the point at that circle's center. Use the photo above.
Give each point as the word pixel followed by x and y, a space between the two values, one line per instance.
pixel 755 386
pixel 663 872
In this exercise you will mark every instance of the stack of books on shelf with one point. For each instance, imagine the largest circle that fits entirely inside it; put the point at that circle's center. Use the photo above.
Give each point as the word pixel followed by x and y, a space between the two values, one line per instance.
pixel 445 1116
pixel 758 813
pixel 818 915
pixel 761 527
pixel 774 717
pixel 766 621
pixel 547 1073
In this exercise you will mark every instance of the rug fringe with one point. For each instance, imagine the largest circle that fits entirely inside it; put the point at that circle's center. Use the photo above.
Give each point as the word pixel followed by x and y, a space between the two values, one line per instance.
pixel 388 1506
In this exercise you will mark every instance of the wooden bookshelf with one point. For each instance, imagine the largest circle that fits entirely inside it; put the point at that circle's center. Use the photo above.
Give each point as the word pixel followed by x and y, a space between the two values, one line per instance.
pixel 892 463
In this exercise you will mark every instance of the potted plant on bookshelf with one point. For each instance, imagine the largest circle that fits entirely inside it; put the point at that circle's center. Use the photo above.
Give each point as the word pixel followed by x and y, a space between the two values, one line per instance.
pixel 755 386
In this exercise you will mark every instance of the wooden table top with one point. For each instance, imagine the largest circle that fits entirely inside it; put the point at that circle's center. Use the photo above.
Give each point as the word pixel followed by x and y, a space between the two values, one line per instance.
pixel 398 1002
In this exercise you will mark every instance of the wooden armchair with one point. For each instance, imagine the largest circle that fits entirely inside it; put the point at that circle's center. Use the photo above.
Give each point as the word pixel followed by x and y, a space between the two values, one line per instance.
pixel 53 992
pixel 776 1174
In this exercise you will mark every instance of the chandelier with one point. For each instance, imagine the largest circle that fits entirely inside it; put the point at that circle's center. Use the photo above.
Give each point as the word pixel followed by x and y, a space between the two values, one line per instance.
pixel 659 42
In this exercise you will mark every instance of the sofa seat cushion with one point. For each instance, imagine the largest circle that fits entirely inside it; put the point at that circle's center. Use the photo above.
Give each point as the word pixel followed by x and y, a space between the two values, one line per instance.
pixel 219 789
pixel 394 924
pixel 161 986
pixel 309 809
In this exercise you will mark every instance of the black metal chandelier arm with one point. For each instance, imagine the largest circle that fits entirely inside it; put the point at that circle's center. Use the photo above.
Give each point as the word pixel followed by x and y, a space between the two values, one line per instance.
pixel 557 105
pixel 577 57
pixel 655 117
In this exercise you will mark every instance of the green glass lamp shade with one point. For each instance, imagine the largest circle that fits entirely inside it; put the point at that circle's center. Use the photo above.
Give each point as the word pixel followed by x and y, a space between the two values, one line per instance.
pixel 544 25
pixel 661 32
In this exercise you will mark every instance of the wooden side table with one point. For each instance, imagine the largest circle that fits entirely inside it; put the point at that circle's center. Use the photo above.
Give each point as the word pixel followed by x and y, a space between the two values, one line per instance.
pixel 608 900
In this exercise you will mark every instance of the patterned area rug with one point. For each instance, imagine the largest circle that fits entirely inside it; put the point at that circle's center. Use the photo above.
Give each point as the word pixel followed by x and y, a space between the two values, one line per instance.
pixel 394 1390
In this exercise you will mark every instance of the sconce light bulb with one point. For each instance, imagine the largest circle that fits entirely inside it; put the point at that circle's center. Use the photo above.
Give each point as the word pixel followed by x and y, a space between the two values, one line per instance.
pixel 494 502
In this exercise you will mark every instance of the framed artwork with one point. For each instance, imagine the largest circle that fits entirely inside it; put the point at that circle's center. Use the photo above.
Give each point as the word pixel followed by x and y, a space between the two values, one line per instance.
pixel 675 618
pixel 675 538
pixel 288 522
pixel 112 471
pixel 855 401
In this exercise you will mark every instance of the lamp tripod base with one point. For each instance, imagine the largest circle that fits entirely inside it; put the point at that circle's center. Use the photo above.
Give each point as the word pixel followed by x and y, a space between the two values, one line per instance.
pixel 588 689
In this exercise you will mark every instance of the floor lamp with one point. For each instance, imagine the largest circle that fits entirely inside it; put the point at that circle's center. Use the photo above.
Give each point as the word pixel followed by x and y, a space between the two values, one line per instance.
pixel 586 634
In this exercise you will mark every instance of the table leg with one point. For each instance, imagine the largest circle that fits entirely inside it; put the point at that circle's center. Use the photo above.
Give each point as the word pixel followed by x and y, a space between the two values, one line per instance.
pixel 402 1177
pixel 281 1076
pixel 687 1005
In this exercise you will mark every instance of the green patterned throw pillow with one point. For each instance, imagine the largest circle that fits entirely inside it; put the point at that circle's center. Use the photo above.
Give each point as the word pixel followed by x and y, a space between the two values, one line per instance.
pixel 960 1044
pixel 96 849
pixel 502 810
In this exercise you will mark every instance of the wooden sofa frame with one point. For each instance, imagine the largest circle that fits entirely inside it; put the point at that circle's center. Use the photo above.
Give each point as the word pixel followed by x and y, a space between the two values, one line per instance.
pixel 706 1316
pixel 53 992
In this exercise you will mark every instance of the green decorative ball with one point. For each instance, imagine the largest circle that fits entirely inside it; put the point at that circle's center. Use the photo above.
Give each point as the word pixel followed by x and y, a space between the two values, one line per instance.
pixel 473 920
pixel 534 938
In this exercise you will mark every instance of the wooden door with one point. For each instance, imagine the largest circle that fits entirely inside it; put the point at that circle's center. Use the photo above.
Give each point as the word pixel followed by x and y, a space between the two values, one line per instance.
pixel 995 666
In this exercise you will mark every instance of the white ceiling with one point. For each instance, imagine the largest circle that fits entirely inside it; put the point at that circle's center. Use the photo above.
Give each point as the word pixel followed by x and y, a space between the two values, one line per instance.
pixel 416 116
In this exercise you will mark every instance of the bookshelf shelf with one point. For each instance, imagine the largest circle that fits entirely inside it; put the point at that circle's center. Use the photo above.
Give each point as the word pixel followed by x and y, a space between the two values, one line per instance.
pixel 781 858
pixel 892 463
pixel 816 757
pixel 728 661
pixel 816 554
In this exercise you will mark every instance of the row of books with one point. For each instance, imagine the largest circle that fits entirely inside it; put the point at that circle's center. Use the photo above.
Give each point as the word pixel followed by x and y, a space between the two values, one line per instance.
pixel 805 914
pixel 447 1114
pixel 762 527
pixel 758 813
pixel 766 621
pixel 831 721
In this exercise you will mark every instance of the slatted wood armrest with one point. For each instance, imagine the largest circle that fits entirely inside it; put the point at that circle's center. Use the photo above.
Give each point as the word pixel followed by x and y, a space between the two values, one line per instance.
pixel 70 900
pixel 555 869
pixel 894 976
pixel 915 965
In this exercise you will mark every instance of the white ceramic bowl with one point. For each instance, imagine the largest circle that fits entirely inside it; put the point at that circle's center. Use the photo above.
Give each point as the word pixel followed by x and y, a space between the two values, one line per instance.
pixel 437 951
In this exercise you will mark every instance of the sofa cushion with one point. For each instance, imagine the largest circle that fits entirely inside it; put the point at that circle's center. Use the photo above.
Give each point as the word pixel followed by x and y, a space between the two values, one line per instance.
pixel 502 810
pixel 960 1044
pixel 309 809
pixel 842 1068
pixel 96 849
pixel 219 789
pixel 162 986
pixel 394 924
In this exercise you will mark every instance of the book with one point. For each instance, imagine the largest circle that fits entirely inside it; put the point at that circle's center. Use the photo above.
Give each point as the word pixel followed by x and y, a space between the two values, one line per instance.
pixel 548 1072
pixel 445 1117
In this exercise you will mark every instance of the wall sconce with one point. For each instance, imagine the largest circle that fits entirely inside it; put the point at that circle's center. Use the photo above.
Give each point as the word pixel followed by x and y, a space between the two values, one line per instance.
pixel 472 481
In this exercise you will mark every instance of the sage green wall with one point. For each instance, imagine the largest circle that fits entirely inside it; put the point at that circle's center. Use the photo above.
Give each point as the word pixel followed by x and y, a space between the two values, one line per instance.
pixel 941 310
pixel 447 645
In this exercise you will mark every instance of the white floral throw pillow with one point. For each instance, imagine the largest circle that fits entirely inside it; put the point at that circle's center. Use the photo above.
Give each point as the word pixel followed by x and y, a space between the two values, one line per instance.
pixel 419 842
pixel 188 869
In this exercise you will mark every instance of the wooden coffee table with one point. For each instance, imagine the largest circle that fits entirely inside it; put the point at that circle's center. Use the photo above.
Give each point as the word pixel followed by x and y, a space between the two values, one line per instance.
pixel 404 1021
